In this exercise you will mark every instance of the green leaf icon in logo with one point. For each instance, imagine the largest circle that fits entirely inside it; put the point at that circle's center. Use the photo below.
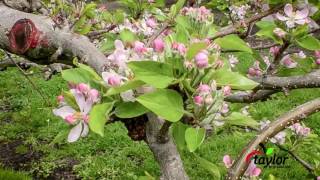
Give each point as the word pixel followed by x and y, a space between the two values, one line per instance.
pixel 269 151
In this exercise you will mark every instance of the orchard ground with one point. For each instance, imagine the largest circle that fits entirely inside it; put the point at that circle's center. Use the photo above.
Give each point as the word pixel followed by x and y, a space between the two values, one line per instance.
pixel 29 141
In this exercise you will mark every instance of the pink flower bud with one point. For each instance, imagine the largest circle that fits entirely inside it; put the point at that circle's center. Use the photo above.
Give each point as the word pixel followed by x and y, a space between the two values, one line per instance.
pixel 158 45
pixel 94 94
pixel 188 64
pixel 70 119
pixel 208 100
pixel 226 90
pixel 288 62
pixel 251 71
pixel 305 131
pixel 60 98
pixel 227 161
pixel 318 178
pixel 317 54
pixel 181 48
pixel 279 32
pixel 201 59
pixel 82 87
pixel 204 89
pixel 198 100
pixel 224 109
pixel 274 50
pixel 151 22
pixel 139 47
pixel 318 62
pixel 114 81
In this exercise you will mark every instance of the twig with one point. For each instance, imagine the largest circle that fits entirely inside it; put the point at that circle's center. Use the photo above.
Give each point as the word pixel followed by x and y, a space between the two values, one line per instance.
pixel 163 132
pixel 276 60
pixel 244 97
pixel 155 35
pixel 31 82
pixel 291 117
pixel 297 158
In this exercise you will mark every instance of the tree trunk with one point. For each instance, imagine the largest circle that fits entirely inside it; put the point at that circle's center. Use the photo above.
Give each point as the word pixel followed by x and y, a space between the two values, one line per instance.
pixel 166 153
pixel 55 42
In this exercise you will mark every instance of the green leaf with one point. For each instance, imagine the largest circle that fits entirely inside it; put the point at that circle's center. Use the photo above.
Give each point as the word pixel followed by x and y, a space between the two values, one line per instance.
pixel 309 42
pixel 209 166
pixel 269 151
pixel 127 36
pixel 233 42
pixel 194 49
pixel 125 87
pixel 157 74
pixel 194 138
pixel 98 117
pixel 178 133
pixel 266 30
pixel 166 103
pixel 130 110
pixel 77 75
pixel 90 70
pixel 239 119
pixel 225 77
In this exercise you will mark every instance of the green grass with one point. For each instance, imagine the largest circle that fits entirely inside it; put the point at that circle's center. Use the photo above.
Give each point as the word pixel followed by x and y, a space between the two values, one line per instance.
pixel 13 175
pixel 115 156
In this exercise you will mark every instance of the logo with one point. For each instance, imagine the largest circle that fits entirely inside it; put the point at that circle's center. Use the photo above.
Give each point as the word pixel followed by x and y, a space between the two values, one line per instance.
pixel 266 157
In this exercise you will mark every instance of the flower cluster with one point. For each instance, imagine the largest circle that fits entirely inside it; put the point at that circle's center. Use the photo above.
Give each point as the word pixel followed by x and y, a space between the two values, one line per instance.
pixel 255 70
pixel 292 18
pixel 288 62
pixel 299 130
pixel 239 12
pixel 204 94
pixel 201 14
pixel 85 97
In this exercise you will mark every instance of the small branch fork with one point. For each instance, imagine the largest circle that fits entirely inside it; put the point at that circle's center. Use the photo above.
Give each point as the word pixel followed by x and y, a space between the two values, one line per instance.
pixel 295 115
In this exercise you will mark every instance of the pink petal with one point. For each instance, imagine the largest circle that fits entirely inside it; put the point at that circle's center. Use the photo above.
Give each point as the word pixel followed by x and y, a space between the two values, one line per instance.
pixel 84 104
pixel 288 10
pixel 75 133
pixel 302 14
pixel 281 17
pixel 227 161
pixel 301 21
pixel 256 172
pixel 64 111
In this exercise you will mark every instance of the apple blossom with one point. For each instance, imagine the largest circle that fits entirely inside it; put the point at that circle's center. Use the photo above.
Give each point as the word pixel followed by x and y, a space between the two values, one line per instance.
pixel 318 61
pixel 233 60
pixel 120 56
pixel 227 161
pixel 299 130
pixel 292 18
pixel 60 98
pixel 112 79
pixel 317 54
pixel 181 48
pixel 239 12
pixel 301 55
pixel 85 98
pixel 288 62
pixel 158 45
pixel 151 22
pixel 279 138
pixel 224 109
pixel 204 89
pixel 201 59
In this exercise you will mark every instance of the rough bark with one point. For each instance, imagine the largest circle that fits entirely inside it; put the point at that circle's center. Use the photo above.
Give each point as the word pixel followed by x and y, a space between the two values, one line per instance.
pixel 244 97
pixel 289 118
pixel 165 153
pixel 72 45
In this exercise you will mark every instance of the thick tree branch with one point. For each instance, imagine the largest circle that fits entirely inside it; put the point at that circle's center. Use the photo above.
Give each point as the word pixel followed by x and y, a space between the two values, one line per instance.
pixel 289 118
pixel 245 97
pixel 310 80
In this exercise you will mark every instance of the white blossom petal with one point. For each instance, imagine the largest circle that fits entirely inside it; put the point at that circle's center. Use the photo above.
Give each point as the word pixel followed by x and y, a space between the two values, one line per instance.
pixel 302 14
pixel 85 130
pixel 75 133
pixel 288 10
pixel 281 17
pixel 64 111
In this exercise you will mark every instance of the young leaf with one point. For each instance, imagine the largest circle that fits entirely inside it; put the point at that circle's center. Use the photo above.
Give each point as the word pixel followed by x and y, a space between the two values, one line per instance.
pixel 239 119
pixel 309 42
pixel 194 137
pixel 178 133
pixel 98 117
pixel 70 100
pixel 233 42
pixel 77 75
pixel 90 70
pixel 266 30
pixel 209 166
pixel 165 103
pixel 194 49
pixel 225 77
pixel 127 36
pixel 130 110
pixel 125 87
pixel 157 74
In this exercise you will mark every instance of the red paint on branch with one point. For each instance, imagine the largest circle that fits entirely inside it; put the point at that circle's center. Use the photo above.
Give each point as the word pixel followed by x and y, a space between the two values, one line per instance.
pixel 23 36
